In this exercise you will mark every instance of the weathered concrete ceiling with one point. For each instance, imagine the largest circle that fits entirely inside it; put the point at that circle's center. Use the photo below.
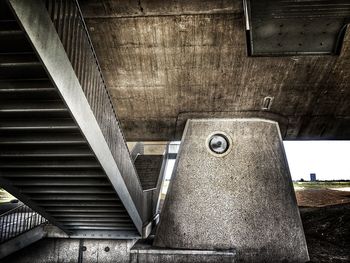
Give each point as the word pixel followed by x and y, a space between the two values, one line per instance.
pixel 166 61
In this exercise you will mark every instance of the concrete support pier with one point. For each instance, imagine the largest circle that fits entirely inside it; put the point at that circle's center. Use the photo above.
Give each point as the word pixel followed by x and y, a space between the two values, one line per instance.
pixel 232 189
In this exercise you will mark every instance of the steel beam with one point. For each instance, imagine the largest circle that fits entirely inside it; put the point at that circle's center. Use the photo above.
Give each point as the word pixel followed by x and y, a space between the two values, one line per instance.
pixel 102 234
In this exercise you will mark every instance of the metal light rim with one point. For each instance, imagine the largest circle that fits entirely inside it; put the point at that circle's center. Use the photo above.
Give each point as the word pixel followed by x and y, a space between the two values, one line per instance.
pixel 227 138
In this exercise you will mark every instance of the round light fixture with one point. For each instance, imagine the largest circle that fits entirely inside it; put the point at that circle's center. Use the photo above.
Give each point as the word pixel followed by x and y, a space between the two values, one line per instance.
pixel 218 143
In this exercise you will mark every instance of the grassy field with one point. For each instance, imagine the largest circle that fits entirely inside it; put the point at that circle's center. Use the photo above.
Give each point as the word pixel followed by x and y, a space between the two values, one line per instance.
pixel 321 184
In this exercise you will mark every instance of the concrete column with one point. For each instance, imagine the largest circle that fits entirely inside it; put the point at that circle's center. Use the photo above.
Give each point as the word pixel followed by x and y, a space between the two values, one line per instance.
pixel 241 199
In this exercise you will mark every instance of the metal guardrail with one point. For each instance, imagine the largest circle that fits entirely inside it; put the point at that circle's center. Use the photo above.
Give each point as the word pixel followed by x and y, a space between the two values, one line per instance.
pixel 160 182
pixel 72 31
pixel 18 221
pixel 138 149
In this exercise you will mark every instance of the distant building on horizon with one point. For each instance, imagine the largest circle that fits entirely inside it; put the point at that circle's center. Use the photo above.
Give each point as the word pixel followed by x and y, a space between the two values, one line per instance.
pixel 313 177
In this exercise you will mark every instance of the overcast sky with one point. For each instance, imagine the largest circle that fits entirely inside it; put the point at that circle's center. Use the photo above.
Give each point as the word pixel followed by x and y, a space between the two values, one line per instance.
pixel 330 160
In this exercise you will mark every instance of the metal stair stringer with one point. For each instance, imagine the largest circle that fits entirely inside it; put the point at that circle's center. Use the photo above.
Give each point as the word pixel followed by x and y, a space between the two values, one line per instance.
pixel 37 24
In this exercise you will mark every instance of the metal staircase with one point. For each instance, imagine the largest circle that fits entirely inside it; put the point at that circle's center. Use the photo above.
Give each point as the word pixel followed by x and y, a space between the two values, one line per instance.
pixel 148 168
pixel 61 149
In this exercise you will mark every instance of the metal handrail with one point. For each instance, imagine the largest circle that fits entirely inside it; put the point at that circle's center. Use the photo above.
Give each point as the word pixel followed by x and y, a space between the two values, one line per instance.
pixel 137 150
pixel 161 179
pixel 18 221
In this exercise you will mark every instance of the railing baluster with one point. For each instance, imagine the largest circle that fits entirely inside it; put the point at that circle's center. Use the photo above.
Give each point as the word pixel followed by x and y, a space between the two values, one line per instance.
pixel 69 29
pixel 2 222
pixel 30 219
pixel 15 222
pixel 59 20
pixel 84 63
pixel 22 215
pixel 11 229
pixel 12 224
pixel 27 220
pixel 18 221
pixel 81 54
pixel 7 225
pixel 75 36
pixel 64 22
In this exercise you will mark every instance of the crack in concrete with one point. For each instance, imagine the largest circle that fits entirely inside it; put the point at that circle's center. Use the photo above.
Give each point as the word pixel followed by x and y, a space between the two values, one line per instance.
pixel 140 6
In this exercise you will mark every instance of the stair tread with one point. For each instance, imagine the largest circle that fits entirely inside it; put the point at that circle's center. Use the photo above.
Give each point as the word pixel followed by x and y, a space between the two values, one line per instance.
pixel 19 59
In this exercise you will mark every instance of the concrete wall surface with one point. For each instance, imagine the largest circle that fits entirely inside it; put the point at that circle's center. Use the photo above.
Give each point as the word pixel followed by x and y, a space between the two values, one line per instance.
pixel 243 200
pixel 161 59
pixel 144 252
pixel 61 250
pixel 171 258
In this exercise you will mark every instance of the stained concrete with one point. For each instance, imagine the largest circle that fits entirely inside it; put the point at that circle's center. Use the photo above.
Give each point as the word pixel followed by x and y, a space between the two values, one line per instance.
pixel 161 59
pixel 119 251
pixel 144 252
pixel 60 250
pixel 244 200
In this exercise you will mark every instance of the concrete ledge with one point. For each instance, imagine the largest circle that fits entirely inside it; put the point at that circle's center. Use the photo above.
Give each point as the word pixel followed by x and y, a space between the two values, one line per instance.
pixel 145 252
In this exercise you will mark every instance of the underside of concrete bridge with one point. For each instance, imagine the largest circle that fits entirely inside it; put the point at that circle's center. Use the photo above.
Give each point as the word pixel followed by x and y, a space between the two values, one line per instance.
pixel 167 62
pixel 93 92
